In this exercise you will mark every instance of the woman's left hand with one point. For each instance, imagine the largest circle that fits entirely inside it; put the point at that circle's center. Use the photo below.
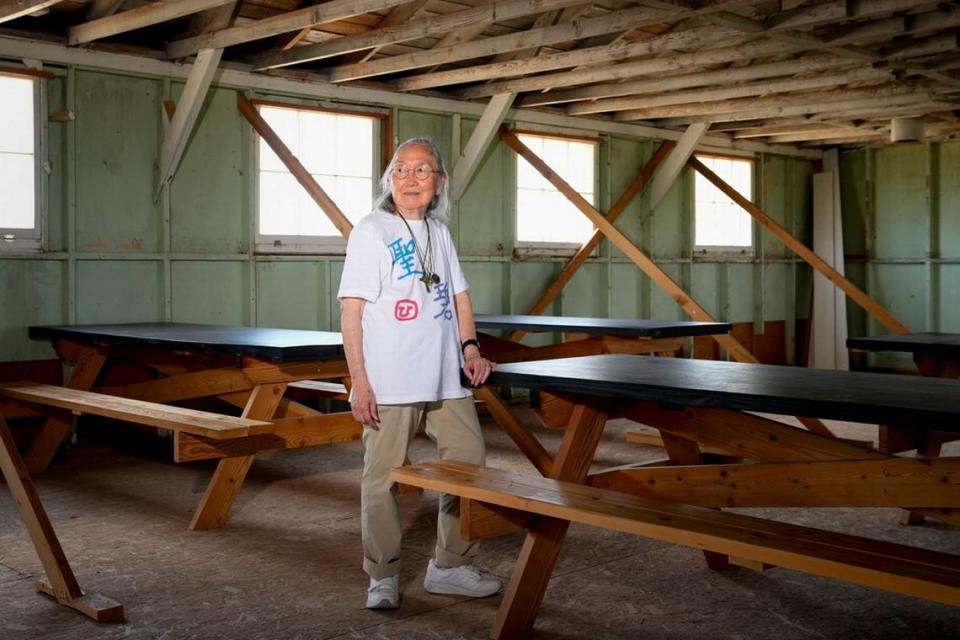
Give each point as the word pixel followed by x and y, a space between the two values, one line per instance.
pixel 478 369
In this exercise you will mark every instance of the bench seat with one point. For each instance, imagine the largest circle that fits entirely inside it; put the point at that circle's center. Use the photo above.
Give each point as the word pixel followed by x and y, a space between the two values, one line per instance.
pixel 922 573
pixel 201 423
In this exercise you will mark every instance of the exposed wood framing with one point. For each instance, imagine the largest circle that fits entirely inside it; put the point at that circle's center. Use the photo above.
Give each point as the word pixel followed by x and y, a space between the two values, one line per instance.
pixel 138 18
pixel 736 350
pixel 573 265
pixel 480 139
pixel 13 9
pixel 675 163
pixel 103 8
pixel 855 293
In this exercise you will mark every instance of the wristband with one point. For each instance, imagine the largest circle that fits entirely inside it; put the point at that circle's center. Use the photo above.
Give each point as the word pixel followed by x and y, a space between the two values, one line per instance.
pixel 467 343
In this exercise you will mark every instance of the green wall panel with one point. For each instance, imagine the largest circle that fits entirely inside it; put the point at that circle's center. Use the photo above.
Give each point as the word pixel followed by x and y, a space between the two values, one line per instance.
pixel 667 220
pixel 629 295
pixel 902 290
pixel 776 199
pixel 119 291
pixel 116 149
pixel 626 159
pixel 949 199
pixel 208 203
pixel 775 290
pixel 854 196
pixel 486 285
pixel 333 305
pixel 528 280
pixel 585 294
pixel 902 202
pixel 56 154
pixel 706 287
pixel 33 294
pixel 211 292
pixel 438 127
pixel 293 295
pixel 483 226
pixel 739 293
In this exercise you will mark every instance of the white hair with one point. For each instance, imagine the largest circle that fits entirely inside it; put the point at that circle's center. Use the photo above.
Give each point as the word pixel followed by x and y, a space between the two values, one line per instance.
pixel 439 207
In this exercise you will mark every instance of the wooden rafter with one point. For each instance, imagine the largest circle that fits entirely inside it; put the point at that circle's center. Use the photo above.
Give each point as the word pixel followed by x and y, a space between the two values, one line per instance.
pixel 138 18
pixel 484 14
pixel 13 9
pixel 281 23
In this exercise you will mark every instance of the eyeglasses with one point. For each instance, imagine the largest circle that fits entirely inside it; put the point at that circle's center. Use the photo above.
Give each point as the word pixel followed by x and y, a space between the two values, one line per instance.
pixel 421 171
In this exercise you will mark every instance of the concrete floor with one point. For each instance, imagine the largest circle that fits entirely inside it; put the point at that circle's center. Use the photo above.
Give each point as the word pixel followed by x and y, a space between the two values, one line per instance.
pixel 288 563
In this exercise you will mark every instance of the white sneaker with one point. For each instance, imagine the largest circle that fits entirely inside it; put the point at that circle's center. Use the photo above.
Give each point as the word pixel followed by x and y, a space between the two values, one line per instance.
pixel 466 580
pixel 384 594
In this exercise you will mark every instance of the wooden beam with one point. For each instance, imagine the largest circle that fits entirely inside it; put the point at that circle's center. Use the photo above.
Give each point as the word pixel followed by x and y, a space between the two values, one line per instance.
pixel 446 52
pixel 13 9
pixel 276 25
pixel 398 15
pixel 675 163
pixel 327 205
pixel 185 116
pixel 855 293
pixel 411 30
pixel 62 583
pixel 483 134
pixel 786 105
pixel 896 482
pixel 607 73
pixel 593 55
pixel 619 240
pixel 727 92
pixel 138 18
pixel 103 8
pixel 819 63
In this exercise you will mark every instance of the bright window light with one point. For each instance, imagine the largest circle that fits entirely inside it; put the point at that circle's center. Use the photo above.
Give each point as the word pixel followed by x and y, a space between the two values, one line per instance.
pixel 338 151
pixel 544 215
pixel 17 154
pixel 720 222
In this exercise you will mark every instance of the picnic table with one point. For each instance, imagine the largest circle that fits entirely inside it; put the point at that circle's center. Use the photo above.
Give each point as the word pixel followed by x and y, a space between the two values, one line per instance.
pixel 698 404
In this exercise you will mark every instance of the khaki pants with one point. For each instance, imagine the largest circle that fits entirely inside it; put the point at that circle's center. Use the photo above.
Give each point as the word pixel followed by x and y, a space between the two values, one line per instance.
pixel 454 426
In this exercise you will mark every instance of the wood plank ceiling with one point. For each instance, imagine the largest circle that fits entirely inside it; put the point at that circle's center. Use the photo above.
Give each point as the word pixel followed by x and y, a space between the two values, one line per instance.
pixel 805 72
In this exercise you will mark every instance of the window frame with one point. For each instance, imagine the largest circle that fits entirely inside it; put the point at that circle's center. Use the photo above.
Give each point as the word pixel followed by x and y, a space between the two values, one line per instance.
pixel 533 248
pixel 33 240
pixel 270 244
pixel 724 250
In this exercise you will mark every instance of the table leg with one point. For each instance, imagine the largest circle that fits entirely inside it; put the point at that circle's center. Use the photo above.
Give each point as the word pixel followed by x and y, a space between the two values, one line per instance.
pixel 523 595
pixel 214 508
pixel 62 583
pixel 55 428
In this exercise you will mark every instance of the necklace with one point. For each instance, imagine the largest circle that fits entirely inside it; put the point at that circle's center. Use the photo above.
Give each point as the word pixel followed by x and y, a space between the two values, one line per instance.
pixel 429 277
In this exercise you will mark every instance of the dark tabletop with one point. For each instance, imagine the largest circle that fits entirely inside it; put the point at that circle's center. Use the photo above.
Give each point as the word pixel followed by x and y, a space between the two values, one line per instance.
pixel 875 398
pixel 604 326
pixel 943 344
pixel 279 345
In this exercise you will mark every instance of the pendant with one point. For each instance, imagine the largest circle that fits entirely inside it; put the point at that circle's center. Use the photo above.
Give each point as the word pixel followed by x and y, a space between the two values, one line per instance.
pixel 426 279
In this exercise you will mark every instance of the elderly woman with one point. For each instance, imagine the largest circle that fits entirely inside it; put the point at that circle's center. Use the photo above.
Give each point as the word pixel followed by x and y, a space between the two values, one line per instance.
pixel 408 329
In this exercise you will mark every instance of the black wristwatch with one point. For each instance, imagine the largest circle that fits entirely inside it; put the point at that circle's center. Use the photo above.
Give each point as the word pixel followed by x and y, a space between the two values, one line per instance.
pixel 467 343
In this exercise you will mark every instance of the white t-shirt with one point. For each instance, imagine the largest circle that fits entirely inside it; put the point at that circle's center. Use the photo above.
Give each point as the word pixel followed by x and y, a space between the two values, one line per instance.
pixel 411 338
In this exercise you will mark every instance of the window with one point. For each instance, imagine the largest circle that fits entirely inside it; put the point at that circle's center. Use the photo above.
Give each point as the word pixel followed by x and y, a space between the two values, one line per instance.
pixel 544 215
pixel 20 191
pixel 339 150
pixel 720 222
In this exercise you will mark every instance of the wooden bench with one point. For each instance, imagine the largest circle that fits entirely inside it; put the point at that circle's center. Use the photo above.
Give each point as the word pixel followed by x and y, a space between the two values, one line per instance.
pixel 916 572
pixel 201 423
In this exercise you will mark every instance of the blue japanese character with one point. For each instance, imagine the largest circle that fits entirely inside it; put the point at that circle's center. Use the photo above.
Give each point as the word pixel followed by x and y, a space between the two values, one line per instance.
pixel 405 254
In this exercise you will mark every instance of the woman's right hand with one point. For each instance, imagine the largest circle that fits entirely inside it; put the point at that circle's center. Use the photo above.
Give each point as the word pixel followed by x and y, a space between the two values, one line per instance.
pixel 363 406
